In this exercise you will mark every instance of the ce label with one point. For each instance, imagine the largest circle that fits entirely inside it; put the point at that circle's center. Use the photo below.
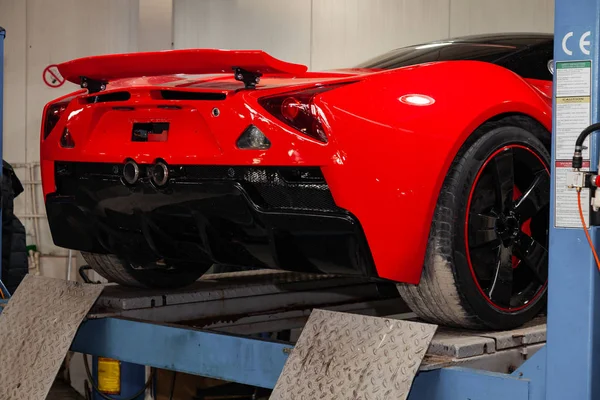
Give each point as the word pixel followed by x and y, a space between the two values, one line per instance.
pixel 584 43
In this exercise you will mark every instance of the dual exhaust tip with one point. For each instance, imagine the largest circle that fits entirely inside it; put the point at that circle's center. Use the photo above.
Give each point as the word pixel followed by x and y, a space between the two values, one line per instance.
pixel 158 173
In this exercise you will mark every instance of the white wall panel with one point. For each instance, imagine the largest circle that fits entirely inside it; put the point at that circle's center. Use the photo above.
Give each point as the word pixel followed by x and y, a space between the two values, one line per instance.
pixel 155 27
pixel 492 16
pixel 61 30
pixel 12 18
pixel 280 27
pixel 348 32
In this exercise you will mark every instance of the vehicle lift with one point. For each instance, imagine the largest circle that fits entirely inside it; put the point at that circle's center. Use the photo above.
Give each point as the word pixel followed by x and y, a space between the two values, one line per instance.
pixel 213 328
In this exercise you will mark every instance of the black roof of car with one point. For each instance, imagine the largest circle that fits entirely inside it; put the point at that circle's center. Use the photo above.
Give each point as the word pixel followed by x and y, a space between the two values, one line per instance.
pixel 504 39
pixel 527 54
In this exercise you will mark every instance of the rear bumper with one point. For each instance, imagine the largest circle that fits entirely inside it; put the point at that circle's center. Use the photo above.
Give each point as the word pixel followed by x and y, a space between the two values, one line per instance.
pixel 270 217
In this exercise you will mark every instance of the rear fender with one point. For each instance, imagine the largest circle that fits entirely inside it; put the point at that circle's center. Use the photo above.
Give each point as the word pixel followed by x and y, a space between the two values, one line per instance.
pixel 393 156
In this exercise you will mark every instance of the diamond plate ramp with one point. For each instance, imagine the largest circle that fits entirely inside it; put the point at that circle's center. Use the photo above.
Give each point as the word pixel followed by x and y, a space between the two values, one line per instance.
pixel 36 330
pixel 346 356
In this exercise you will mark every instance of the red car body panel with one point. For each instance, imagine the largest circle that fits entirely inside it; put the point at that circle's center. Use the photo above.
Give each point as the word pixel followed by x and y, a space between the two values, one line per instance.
pixel 385 160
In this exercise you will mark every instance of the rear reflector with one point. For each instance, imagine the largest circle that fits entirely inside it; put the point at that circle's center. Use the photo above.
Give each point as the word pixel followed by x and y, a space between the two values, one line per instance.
pixel 253 139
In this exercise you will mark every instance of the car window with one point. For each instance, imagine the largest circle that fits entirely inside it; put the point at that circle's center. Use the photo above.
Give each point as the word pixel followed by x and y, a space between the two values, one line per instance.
pixel 531 63
pixel 442 51
pixel 527 61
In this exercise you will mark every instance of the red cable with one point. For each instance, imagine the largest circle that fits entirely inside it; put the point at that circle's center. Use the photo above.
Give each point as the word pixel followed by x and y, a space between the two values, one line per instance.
pixel 585 229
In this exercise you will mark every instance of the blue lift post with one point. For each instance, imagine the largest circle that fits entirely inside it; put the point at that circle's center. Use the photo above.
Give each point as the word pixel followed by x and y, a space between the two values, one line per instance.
pixel 573 336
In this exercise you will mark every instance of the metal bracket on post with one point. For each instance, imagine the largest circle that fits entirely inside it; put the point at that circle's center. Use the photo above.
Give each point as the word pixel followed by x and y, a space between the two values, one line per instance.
pixel 250 79
pixel 92 85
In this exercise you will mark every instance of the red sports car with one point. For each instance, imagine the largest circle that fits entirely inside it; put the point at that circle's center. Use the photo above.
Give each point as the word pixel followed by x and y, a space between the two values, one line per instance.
pixel 427 166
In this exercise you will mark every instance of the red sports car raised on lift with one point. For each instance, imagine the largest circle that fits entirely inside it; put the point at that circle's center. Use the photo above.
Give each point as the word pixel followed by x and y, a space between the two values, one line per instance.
pixel 427 166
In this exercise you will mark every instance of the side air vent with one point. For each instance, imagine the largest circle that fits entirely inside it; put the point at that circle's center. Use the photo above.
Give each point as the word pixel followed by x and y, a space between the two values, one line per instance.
pixel 108 97
pixel 181 95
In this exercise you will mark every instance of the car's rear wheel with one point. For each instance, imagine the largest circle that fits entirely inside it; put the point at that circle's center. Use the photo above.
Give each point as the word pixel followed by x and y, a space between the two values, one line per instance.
pixel 487 260
pixel 125 273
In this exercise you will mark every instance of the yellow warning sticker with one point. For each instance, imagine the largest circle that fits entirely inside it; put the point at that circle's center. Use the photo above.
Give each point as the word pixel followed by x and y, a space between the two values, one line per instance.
pixel 568 100
pixel 109 376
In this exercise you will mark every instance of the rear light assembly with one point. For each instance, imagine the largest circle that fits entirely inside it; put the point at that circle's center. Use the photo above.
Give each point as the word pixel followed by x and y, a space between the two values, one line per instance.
pixel 53 114
pixel 298 110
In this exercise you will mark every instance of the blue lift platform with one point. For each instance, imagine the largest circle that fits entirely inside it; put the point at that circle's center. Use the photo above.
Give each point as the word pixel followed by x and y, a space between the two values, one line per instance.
pixel 213 328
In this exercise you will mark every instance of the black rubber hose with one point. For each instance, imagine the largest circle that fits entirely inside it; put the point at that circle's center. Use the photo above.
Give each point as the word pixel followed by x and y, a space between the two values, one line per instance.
pixel 577 156
pixel 173 385
pixel 97 390
pixel 83 275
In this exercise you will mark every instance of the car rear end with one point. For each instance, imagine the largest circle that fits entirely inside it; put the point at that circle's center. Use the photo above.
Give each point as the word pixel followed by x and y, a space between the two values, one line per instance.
pixel 189 169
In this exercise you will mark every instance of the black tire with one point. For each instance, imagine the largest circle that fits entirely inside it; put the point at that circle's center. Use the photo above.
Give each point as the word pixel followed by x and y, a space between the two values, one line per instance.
pixel 453 290
pixel 121 271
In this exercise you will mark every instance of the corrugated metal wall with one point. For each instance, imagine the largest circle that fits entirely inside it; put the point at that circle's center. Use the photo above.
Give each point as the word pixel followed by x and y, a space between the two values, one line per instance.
pixel 321 33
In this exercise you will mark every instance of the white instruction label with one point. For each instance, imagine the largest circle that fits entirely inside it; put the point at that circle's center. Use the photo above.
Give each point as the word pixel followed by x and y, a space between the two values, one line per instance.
pixel 574 78
pixel 566 212
pixel 573 115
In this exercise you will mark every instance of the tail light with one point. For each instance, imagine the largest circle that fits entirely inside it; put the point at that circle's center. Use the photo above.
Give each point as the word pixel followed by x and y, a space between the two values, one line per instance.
pixel 298 110
pixel 53 114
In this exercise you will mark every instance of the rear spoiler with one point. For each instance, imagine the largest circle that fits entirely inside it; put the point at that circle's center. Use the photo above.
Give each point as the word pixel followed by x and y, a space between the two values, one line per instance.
pixel 94 73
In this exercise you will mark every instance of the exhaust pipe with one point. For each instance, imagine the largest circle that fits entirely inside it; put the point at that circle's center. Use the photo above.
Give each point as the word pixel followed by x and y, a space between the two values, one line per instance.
pixel 160 174
pixel 131 172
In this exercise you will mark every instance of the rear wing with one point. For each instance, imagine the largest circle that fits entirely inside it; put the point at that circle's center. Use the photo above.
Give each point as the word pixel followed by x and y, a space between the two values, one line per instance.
pixel 94 73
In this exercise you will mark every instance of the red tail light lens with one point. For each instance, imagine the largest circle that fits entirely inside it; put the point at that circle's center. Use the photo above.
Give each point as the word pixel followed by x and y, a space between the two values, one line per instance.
pixel 298 110
pixel 53 114
pixel 290 108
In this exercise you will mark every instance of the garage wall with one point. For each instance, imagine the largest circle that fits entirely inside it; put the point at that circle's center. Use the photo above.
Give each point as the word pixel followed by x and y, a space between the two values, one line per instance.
pixel 155 25
pixel 339 33
pixel 487 16
pixel 280 27
pixel 40 33
pixel 372 27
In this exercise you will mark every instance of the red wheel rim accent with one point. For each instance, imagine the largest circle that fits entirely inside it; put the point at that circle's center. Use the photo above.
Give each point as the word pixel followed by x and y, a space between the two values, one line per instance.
pixel 466 231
